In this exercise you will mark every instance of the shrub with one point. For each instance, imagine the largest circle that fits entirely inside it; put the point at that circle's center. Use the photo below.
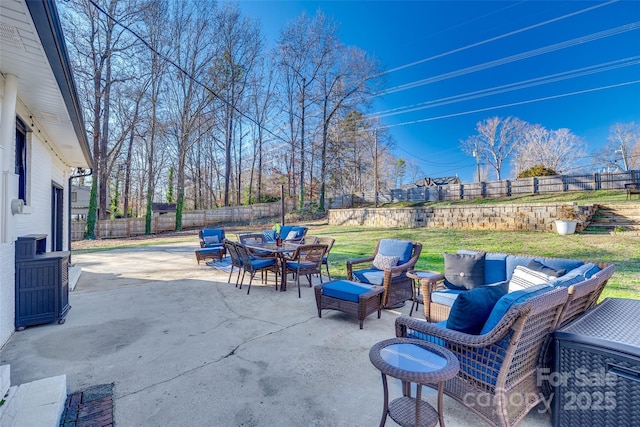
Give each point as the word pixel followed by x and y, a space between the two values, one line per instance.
pixel 537 170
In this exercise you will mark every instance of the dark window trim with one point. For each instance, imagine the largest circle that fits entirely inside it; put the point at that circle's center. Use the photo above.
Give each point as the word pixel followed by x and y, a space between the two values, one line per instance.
pixel 21 162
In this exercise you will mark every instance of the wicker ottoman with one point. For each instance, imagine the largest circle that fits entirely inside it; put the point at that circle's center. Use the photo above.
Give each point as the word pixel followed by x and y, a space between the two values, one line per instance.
pixel 356 299
pixel 209 253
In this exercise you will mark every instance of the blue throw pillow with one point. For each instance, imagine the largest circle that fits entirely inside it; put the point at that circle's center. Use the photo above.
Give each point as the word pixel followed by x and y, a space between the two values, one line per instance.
pixel 472 308
pixel 508 300
pixel 542 268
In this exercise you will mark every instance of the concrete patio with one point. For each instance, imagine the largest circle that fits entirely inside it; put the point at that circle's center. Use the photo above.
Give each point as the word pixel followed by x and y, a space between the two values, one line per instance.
pixel 184 347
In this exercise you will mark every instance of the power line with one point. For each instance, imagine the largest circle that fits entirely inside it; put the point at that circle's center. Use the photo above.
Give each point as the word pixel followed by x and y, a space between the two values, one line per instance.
pixel 513 104
pixel 552 78
pixel 513 58
pixel 185 72
pixel 492 39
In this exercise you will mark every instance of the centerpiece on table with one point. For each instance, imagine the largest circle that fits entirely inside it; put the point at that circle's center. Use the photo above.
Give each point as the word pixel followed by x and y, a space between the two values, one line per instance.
pixel 276 228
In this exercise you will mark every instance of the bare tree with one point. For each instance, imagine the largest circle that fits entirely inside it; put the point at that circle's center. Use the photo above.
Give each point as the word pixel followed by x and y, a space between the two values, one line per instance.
pixel 99 45
pixel 237 43
pixel 560 150
pixel 496 139
pixel 623 149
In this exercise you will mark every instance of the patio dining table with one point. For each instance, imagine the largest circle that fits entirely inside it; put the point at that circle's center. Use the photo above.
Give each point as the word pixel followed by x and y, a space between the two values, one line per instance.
pixel 280 252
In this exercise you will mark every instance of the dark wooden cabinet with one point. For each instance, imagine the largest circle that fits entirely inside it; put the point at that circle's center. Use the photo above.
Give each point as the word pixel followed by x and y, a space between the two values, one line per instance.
pixel 42 283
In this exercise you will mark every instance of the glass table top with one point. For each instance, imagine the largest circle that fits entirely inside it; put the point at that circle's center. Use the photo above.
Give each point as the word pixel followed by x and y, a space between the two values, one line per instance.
pixel 411 357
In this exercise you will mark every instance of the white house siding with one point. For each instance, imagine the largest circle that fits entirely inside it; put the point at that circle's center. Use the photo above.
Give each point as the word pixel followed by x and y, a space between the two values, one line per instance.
pixel 44 168
pixel 7 291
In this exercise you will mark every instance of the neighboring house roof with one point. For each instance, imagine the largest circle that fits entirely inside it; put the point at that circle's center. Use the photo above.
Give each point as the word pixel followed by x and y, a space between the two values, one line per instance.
pixel 432 182
pixel 33 49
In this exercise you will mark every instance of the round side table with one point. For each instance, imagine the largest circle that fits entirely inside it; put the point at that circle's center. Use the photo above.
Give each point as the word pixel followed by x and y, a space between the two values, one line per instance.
pixel 413 361
pixel 418 277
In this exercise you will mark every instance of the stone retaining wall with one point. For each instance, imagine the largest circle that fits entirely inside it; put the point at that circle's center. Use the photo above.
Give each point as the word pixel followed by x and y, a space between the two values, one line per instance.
pixel 530 216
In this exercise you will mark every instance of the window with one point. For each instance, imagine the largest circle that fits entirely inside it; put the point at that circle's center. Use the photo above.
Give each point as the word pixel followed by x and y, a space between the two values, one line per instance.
pixel 21 158
pixel 74 196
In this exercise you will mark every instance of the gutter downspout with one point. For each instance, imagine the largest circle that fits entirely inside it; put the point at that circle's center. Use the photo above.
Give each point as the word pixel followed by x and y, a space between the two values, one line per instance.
pixel 81 173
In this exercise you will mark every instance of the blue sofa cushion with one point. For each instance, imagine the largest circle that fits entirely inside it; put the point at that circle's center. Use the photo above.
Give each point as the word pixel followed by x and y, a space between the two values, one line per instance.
pixel 446 296
pixel 577 275
pixel 508 300
pixel 560 263
pixel 345 290
pixel 209 250
pixel 538 266
pixel 372 276
pixel 400 248
pixel 495 266
pixel 464 271
pixel 471 309
pixel 513 261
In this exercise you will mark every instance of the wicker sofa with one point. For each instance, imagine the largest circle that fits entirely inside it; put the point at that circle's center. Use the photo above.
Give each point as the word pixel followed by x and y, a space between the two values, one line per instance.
pixel 584 292
pixel 498 378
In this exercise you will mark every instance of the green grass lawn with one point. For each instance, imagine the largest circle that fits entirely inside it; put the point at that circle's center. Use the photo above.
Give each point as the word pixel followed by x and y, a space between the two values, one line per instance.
pixel 623 251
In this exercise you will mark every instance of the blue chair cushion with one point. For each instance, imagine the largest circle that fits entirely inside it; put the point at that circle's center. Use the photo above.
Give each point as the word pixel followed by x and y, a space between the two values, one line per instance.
pixel 371 276
pixel 430 338
pixel 210 250
pixel 446 296
pixel 260 263
pixel 510 299
pixel 471 309
pixel 345 290
pixel 212 237
pixel 400 248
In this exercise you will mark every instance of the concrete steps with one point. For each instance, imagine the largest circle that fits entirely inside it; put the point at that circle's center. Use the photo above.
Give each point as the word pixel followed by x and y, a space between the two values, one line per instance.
pixel 35 404
pixel 621 217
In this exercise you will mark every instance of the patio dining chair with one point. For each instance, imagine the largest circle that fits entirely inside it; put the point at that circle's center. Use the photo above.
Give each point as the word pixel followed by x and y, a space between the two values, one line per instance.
pixel 306 260
pixel 236 259
pixel 328 241
pixel 252 264
pixel 254 238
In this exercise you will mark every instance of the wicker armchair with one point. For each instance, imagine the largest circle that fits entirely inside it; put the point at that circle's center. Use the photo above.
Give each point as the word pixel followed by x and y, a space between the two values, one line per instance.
pixel 498 376
pixel 398 288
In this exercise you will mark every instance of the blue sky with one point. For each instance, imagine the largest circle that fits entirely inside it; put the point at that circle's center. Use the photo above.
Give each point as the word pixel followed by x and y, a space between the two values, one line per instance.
pixel 460 47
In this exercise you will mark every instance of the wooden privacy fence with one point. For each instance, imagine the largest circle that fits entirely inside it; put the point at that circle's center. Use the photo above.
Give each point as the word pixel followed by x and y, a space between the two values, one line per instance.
pixel 494 189
pixel 128 227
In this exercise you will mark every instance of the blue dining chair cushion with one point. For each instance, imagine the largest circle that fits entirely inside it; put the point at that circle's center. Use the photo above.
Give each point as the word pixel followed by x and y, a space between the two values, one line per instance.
pixel 294 265
pixel 400 248
pixel 371 276
pixel 259 263
pixel 345 290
